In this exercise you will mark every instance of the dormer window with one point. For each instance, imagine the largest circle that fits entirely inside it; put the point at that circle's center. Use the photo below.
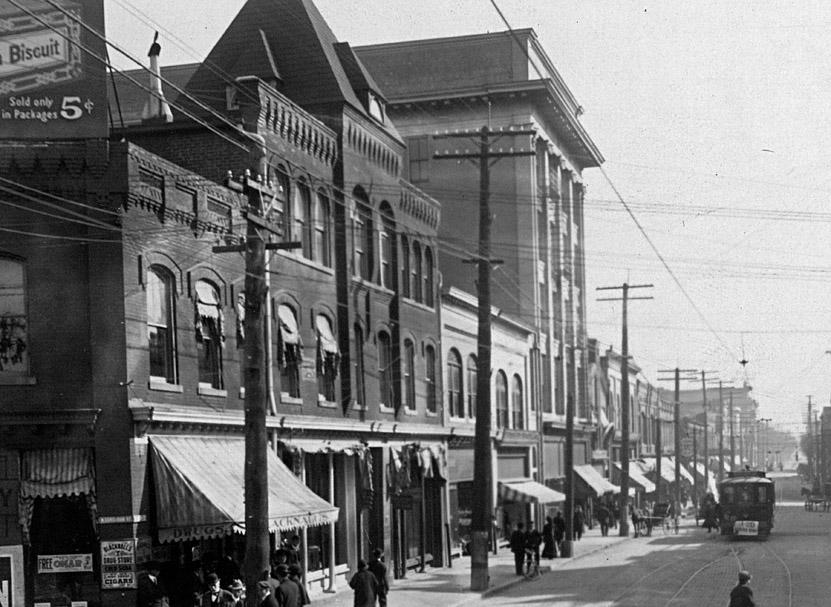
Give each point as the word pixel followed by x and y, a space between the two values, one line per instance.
pixel 375 107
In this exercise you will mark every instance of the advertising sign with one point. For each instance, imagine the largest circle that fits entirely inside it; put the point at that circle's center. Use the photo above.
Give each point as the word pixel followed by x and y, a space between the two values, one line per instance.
pixel 11 576
pixel 118 564
pixel 686 447
pixel 52 71
pixel 64 563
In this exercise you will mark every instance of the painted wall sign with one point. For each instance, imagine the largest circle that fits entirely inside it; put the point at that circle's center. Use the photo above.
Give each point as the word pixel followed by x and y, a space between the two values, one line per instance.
pixel 118 564
pixel 52 73
pixel 64 563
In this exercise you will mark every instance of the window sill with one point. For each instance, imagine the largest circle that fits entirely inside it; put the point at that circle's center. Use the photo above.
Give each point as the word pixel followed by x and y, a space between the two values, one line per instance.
pixel 384 409
pixel 418 304
pixel 17 380
pixel 285 399
pixel 429 413
pixel 327 404
pixel 162 385
pixel 298 257
pixel 356 406
pixel 242 392
pixel 408 411
pixel 207 390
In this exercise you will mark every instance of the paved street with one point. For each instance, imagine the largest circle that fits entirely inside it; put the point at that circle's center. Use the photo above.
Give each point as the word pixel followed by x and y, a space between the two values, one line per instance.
pixel 692 569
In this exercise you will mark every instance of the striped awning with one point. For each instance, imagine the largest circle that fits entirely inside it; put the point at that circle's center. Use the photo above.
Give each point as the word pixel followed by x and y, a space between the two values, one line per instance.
pixel 649 464
pixel 200 488
pixel 528 491
pixel 599 485
pixel 637 477
pixel 685 474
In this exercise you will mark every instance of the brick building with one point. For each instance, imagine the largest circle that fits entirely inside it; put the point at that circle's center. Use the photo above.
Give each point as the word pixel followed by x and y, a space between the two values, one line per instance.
pixel 130 370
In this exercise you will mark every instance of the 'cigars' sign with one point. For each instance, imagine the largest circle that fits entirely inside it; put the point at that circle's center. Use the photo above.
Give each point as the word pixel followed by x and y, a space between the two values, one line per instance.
pixel 52 69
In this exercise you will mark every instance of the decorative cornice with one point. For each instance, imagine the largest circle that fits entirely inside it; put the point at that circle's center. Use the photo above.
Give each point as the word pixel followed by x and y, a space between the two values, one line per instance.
pixel 52 417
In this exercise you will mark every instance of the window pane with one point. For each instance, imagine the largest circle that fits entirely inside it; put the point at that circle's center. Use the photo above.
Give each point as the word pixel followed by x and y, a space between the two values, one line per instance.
pixel 409 375
pixel 428 277
pixel 472 385
pixel 387 396
pixel 417 272
pixel 517 403
pixel 322 234
pixel 430 378
pixel 360 394
pixel 405 267
pixel 454 384
pixel 501 400
pixel 209 334
pixel 14 342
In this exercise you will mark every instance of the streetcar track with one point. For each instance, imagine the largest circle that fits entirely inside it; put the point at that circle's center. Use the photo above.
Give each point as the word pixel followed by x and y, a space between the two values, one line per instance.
pixel 693 575
pixel 646 575
pixel 787 570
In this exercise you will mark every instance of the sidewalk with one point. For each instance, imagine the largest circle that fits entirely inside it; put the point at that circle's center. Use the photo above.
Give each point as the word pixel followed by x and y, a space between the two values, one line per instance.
pixel 450 586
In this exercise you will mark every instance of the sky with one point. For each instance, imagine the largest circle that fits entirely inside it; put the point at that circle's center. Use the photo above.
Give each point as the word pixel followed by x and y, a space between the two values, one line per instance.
pixel 714 121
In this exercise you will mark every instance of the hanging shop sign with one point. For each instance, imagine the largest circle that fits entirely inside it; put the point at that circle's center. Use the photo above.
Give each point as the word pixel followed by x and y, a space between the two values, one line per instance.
pixel 52 70
pixel 118 564
pixel 64 563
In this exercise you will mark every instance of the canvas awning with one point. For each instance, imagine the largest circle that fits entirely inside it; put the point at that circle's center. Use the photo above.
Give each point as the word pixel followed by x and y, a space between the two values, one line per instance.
pixel 637 477
pixel 599 485
pixel 685 474
pixel 324 445
pixel 199 482
pixel 667 474
pixel 529 491
pixel 328 343
pixel 289 331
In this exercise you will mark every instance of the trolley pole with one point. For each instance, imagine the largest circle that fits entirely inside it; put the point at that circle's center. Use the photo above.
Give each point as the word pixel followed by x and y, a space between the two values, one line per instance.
pixel 624 402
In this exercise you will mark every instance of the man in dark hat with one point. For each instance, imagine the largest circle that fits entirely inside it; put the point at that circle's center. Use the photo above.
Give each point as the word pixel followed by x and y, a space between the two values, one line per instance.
pixel 214 596
pixel 742 595
pixel 365 586
pixel 296 576
pixel 266 598
pixel 379 570
pixel 287 593
pixel 151 592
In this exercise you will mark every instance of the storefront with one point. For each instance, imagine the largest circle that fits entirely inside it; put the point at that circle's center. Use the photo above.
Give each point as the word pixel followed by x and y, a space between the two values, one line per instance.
pixel 199 513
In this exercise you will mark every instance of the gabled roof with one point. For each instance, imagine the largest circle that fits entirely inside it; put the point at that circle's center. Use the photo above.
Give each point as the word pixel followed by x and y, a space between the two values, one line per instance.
pixel 126 99
pixel 356 72
pixel 314 67
pixel 257 59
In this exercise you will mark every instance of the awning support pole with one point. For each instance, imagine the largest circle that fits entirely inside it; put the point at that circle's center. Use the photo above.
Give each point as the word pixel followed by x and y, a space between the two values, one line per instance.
pixel 332 586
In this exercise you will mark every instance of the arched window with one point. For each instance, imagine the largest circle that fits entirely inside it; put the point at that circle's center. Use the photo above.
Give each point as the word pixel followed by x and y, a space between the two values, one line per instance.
pixel 328 359
pixel 14 341
pixel 454 384
pixel 387 248
pixel 409 375
pixel 289 352
pixel 322 249
pixel 362 242
pixel 405 266
pixel 301 218
pixel 360 380
pixel 209 335
pixel 387 394
pixel 430 378
pixel 517 403
pixel 161 327
pixel 472 379
pixel 284 194
pixel 416 270
pixel 501 400
pixel 428 276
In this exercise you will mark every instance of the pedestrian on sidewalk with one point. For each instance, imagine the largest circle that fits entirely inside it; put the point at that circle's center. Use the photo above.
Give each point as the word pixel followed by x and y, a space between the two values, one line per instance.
pixel 365 586
pixel 549 547
pixel 603 519
pixel 742 595
pixel 579 521
pixel 517 543
pixel 559 531
pixel 296 576
pixel 379 570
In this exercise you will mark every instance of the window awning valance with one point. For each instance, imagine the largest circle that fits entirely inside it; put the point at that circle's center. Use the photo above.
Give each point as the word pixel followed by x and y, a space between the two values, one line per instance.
pixel 289 331
pixel 199 482
pixel 328 343
pixel 649 464
pixel 529 491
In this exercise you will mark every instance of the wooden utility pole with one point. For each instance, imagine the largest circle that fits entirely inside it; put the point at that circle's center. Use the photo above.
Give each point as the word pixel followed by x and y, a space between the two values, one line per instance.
pixel 695 468
pixel 677 427
pixel 658 449
pixel 624 401
pixel 720 420
pixel 812 455
pixel 482 506
pixel 732 435
pixel 256 439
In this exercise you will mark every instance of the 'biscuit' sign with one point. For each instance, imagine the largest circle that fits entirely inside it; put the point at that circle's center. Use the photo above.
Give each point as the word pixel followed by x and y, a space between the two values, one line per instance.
pixel 52 69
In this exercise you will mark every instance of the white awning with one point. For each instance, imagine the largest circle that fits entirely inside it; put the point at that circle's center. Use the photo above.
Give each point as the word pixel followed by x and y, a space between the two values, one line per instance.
pixel 529 491
pixel 685 474
pixel 594 480
pixel 649 465
pixel 636 476
pixel 323 445
pixel 328 343
pixel 289 331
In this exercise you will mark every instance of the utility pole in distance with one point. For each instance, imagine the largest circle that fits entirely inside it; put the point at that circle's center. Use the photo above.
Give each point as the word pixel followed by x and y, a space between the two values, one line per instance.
pixel 732 434
pixel 677 427
pixel 706 432
pixel 624 401
pixel 482 507
pixel 258 191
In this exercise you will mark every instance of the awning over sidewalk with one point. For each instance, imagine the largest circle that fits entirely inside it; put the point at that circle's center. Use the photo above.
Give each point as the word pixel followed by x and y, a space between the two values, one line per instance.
pixel 685 474
pixel 529 491
pixel 599 485
pixel 637 477
pixel 667 475
pixel 200 488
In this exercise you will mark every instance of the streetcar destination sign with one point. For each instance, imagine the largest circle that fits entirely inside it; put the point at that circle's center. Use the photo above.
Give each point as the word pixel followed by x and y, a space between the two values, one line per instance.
pixel 746 528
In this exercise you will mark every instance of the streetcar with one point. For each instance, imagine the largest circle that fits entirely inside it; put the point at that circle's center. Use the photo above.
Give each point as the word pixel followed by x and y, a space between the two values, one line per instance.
pixel 747 500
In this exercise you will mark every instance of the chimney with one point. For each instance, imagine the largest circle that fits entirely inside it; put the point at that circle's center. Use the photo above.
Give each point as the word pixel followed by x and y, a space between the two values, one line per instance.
pixel 156 110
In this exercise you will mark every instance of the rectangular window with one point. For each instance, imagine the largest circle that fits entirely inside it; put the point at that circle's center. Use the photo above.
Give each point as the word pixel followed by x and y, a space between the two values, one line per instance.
pixel 409 375
pixel 430 378
pixel 322 232
pixel 14 342
pixel 360 389
pixel 209 335
pixel 418 156
pixel 302 211
pixel 387 395
pixel 386 259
